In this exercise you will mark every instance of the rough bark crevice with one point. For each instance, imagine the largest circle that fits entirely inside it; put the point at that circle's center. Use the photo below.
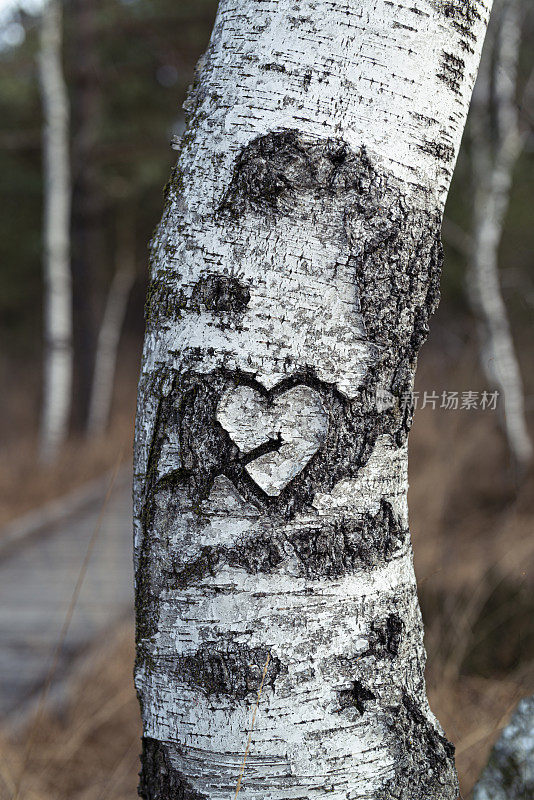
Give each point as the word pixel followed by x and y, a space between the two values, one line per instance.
pixel 159 778
pixel 356 697
pixel 230 669
pixel 330 549
pixel 280 172
pixel 425 758
pixel 386 637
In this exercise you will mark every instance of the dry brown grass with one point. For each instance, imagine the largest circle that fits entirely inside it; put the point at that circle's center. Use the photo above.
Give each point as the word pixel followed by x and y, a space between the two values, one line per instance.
pixel 472 527
pixel 89 750
pixel 26 484
pixel 474 554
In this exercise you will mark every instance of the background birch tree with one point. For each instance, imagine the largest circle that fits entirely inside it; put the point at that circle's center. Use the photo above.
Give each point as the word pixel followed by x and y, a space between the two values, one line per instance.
pixel 112 324
pixel 57 279
pixel 293 276
pixel 497 142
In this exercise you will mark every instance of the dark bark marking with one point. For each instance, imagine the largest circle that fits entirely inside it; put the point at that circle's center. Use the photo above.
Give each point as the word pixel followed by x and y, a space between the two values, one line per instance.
pixel 340 547
pixel 331 549
pixel 396 303
pixel 213 292
pixel 163 301
pixel 424 757
pixel 394 247
pixel 220 293
pixel 355 697
pixel 262 553
pixel 273 67
pixel 400 26
pixel 230 669
pixel 452 71
pixel 179 575
pixel 462 15
pixel 159 779
pixel 386 637
pixel 439 150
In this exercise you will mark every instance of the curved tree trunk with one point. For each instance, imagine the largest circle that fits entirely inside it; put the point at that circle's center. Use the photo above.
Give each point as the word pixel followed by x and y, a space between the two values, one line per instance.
pixel 293 276
pixel 57 278
pixel 497 145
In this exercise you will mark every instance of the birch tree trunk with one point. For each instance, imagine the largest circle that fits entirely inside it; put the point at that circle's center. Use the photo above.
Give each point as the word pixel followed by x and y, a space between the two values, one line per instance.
pixel 56 222
pixel 497 145
pixel 293 276
pixel 111 327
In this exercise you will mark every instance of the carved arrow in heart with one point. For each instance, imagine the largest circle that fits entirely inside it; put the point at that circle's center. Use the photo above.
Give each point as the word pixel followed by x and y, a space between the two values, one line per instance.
pixel 296 418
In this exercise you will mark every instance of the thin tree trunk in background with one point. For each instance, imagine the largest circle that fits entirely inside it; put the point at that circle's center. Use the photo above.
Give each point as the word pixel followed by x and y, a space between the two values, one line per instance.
pixel 57 278
pixel 496 146
pixel 111 327
pixel 293 276
pixel 87 201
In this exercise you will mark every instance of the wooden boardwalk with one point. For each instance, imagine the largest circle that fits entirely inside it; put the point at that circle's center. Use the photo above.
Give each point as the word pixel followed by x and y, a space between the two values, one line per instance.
pixel 39 567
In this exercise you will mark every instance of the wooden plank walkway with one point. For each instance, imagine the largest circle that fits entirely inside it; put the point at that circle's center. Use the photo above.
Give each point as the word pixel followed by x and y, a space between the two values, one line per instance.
pixel 38 573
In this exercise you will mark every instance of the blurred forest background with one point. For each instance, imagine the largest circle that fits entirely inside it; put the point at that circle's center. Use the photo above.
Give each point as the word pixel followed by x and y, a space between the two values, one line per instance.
pixel 127 65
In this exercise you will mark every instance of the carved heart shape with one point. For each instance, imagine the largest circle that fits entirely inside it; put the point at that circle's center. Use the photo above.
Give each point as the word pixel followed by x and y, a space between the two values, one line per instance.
pixel 295 422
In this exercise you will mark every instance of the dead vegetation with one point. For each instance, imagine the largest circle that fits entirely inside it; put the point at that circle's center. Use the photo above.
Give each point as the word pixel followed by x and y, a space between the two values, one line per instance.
pixel 26 484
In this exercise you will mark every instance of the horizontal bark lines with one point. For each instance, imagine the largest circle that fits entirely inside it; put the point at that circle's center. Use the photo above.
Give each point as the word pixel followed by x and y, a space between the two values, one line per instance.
pixel 220 534
pixel 293 277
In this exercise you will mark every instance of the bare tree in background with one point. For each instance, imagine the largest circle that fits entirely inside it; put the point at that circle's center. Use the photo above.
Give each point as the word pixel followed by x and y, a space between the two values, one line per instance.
pixel 112 324
pixel 497 143
pixel 294 273
pixel 57 389
pixel 88 195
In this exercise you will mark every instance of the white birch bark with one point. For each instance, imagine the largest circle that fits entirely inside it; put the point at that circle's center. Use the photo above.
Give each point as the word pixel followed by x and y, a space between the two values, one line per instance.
pixel 56 222
pixel 293 275
pixel 110 330
pixel 497 143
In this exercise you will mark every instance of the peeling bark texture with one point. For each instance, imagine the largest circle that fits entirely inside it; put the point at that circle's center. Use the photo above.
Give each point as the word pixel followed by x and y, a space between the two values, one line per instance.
pixel 293 277
pixel 497 143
